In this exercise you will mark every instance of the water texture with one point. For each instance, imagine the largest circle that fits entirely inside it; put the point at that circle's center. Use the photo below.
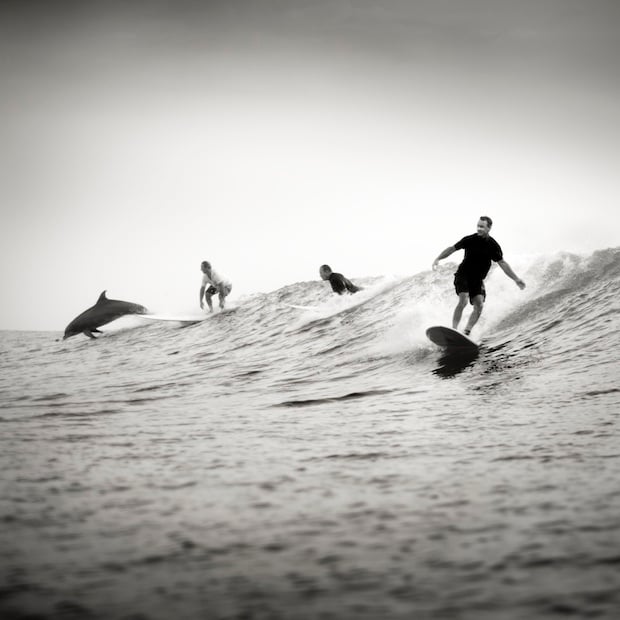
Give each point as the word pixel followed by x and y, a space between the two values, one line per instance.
pixel 275 462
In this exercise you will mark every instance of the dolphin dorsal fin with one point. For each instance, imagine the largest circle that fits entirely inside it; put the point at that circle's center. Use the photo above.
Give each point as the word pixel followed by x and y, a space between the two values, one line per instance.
pixel 102 298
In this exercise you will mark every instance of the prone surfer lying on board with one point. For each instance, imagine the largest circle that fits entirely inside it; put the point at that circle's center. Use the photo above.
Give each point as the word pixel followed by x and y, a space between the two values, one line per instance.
pixel 339 283
pixel 480 249
pixel 216 284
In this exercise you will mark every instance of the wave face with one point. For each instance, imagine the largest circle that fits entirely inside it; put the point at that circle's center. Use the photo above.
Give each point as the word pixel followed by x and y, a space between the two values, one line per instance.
pixel 276 461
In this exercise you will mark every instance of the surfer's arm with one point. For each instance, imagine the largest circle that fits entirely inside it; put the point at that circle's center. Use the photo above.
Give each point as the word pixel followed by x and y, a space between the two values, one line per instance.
pixel 443 255
pixel 351 287
pixel 206 283
pixel 507 269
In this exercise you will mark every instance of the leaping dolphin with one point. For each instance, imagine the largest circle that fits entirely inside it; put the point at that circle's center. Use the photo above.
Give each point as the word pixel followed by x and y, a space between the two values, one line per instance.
pixel 104 311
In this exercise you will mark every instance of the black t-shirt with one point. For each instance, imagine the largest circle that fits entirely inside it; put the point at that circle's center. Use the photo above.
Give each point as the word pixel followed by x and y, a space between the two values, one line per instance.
pixel 479 252
pixel 340 284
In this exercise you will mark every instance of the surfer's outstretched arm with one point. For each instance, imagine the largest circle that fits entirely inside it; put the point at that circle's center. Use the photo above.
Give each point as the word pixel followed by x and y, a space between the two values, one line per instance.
pixel 443 255
pixel 352 288
pixel 507 269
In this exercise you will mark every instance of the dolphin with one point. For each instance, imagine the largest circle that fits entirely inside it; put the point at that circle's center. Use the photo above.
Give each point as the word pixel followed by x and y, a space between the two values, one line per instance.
pixel 104 311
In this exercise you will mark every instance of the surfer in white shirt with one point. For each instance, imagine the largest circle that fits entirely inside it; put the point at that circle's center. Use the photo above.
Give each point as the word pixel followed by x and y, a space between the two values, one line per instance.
pixel 213 283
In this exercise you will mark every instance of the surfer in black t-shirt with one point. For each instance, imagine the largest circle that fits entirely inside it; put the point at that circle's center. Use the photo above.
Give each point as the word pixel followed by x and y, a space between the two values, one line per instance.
pixel 339 283
pixel 480 250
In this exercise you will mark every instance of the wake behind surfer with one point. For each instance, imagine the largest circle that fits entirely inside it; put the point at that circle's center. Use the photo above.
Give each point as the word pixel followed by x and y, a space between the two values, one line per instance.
pixel 339 283
pixel 213 283
pixel 480 249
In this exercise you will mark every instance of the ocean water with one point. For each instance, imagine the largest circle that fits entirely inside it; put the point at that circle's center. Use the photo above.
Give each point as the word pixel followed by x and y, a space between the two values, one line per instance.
pixel 279 463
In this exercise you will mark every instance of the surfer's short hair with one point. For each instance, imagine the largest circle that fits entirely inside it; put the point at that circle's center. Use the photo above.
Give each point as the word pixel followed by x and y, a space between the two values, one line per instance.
pixel 205 263
pixel 487 219
pixel 325 268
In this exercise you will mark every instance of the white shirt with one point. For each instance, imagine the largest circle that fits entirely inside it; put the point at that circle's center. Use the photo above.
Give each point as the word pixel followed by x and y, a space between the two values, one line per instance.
pixel 216 279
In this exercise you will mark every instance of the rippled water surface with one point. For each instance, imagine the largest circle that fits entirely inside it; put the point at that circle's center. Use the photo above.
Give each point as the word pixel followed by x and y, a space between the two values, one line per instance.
pixel 272 462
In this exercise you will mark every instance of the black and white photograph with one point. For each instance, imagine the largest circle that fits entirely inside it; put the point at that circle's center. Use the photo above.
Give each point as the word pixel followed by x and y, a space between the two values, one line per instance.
pixel 310 309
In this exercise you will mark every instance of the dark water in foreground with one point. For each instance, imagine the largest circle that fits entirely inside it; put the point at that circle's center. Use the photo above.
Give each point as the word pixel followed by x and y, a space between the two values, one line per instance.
pixel 330 463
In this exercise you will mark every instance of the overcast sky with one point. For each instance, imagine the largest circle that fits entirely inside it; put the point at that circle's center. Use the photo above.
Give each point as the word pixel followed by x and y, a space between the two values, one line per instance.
pixel 270 136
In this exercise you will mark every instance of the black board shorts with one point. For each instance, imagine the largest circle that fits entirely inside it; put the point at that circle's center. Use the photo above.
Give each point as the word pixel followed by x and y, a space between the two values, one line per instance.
pixel 473 286
pixel 212 290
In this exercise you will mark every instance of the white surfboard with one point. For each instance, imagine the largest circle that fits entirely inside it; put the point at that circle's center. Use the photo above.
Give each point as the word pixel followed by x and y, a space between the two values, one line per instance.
pixel 185 318
pixel 343 304
pixel 313 308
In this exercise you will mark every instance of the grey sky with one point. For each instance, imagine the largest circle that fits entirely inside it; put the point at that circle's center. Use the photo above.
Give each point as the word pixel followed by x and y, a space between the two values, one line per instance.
pixel 139 138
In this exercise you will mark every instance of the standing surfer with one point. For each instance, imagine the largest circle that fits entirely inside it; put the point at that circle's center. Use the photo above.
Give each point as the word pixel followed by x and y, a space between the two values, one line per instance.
pixel 480 249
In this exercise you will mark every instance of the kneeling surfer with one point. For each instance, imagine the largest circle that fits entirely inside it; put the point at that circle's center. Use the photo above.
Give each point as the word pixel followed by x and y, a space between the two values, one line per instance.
pixel 213 283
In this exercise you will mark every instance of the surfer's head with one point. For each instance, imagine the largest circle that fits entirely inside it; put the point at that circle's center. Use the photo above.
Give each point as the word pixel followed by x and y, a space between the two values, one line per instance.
pixel 205 266
pixel 325 271
pixel 484 225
